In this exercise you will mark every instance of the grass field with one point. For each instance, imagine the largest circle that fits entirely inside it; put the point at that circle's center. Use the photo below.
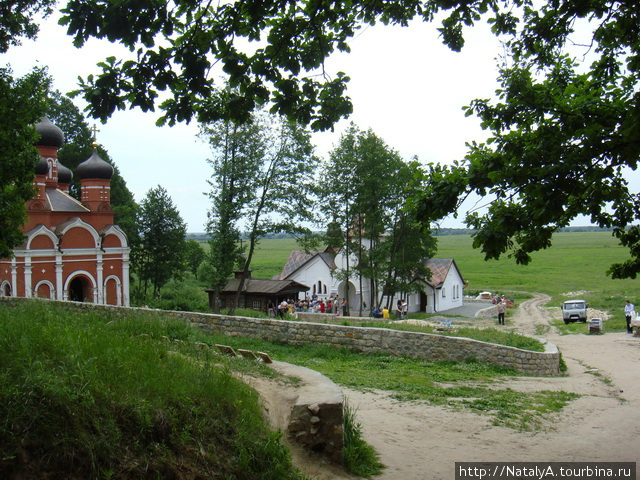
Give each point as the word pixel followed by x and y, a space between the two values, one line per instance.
pixel 575 262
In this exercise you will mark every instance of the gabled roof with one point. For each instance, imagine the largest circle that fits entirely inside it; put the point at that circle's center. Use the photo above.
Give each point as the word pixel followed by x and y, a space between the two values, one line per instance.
pixel 62 202
pixel 269 287
pixel 440 268
pixel 299 258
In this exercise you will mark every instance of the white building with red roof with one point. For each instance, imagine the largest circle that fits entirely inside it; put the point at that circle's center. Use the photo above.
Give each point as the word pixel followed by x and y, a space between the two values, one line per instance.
pixel 320 271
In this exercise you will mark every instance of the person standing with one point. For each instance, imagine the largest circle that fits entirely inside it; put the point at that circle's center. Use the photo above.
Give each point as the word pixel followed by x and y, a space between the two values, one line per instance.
pixel 399 310
pixel 501 308
pixel 283 308
pixel 345 307
pixel 629 310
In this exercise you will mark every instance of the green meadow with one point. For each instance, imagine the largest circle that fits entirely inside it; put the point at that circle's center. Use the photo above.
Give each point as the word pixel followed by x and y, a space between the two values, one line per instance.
pixel 575 262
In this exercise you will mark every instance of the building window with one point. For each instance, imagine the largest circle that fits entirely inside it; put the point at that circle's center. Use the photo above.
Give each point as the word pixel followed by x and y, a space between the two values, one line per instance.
pixel 444 294
pixel 257 305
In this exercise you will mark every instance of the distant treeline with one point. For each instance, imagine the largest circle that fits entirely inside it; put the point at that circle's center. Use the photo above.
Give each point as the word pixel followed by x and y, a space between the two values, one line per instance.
pixel 204 237
pixel 441 232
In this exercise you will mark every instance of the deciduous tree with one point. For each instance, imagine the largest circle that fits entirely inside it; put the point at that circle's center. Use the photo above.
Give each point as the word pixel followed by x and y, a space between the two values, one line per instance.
pixel 276 187
pixel 194 255
pixel 21 106
pixel 557 118
pixel 365 187
pixel 565 134
pixel 18 20
pixel 237 152
pixel 162 241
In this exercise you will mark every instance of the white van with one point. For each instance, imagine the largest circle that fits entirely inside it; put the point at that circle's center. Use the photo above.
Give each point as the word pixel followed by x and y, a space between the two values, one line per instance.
pixel 574 310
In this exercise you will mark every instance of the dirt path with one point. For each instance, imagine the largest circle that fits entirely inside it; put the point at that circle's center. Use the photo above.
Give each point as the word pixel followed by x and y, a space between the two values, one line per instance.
pixel 417 441
pixel 423 442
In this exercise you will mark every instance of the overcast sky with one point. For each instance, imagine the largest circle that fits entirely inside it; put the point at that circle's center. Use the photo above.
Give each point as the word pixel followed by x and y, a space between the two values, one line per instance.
pixel 405 85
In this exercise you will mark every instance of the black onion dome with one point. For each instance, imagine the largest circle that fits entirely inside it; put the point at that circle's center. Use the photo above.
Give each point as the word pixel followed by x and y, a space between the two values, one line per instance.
pixel 64 174
pixel 50 135
pixel 42 167
pixel 94 167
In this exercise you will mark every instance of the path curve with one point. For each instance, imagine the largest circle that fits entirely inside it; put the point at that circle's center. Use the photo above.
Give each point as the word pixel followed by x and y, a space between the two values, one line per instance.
pixel 422 442
pixel 418 441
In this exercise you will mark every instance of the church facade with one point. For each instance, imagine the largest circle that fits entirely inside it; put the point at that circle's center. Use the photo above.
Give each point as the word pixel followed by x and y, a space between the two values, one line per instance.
pixel 72 249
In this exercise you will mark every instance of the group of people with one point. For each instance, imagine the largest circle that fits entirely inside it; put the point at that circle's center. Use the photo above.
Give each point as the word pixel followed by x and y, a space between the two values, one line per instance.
pixel 400 311
pixel 331 305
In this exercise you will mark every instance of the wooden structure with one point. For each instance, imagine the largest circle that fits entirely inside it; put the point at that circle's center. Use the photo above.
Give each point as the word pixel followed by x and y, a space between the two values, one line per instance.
pixel 257 293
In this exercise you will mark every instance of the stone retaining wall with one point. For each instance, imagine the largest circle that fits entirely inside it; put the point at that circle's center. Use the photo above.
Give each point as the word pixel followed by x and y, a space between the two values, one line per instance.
pixel 410 344
pixel 315 420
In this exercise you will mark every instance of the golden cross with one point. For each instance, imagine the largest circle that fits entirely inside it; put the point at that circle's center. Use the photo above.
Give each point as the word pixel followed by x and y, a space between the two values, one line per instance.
pixel 95 130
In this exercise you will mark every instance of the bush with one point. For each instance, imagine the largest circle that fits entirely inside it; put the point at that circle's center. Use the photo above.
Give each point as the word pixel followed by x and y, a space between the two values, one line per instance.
pixel 181 296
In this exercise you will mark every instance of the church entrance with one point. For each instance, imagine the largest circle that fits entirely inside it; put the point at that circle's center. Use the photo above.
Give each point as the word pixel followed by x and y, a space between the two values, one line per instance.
pixel 79 290
pixel 424 301
pixel 354 298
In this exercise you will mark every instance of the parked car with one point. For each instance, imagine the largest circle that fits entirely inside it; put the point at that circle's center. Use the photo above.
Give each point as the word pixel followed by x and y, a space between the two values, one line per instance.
pixel 574 310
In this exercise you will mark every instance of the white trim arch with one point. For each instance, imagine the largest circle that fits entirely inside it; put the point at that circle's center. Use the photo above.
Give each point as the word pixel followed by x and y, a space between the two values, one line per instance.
pixel 77 222
pixel 82 273
pixel 118 289
pixel 41 230
pixel 118 232
pixel 4 286
pixel 52 289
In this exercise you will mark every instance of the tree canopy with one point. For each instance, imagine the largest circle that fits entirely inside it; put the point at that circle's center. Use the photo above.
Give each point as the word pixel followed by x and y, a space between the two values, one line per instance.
pixel 263 174
pixel 17 20
pixel 364 188
pixel 20 109
pixel 565 126
pixel 565 129
pixel 565 134
pixel 162 241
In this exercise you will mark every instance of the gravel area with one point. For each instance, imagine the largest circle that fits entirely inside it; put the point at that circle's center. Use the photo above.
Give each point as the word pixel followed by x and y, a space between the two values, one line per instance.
pixel 468 310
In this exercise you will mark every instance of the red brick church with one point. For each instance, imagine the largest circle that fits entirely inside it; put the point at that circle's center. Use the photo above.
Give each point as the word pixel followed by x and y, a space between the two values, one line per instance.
pixel 72 250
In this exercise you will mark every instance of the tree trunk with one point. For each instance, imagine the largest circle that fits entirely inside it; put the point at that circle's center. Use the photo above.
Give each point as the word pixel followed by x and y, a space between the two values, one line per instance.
pixel 216 301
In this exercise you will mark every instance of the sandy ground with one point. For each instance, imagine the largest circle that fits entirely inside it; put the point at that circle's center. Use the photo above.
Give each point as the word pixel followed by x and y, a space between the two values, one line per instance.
pixel 419 441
